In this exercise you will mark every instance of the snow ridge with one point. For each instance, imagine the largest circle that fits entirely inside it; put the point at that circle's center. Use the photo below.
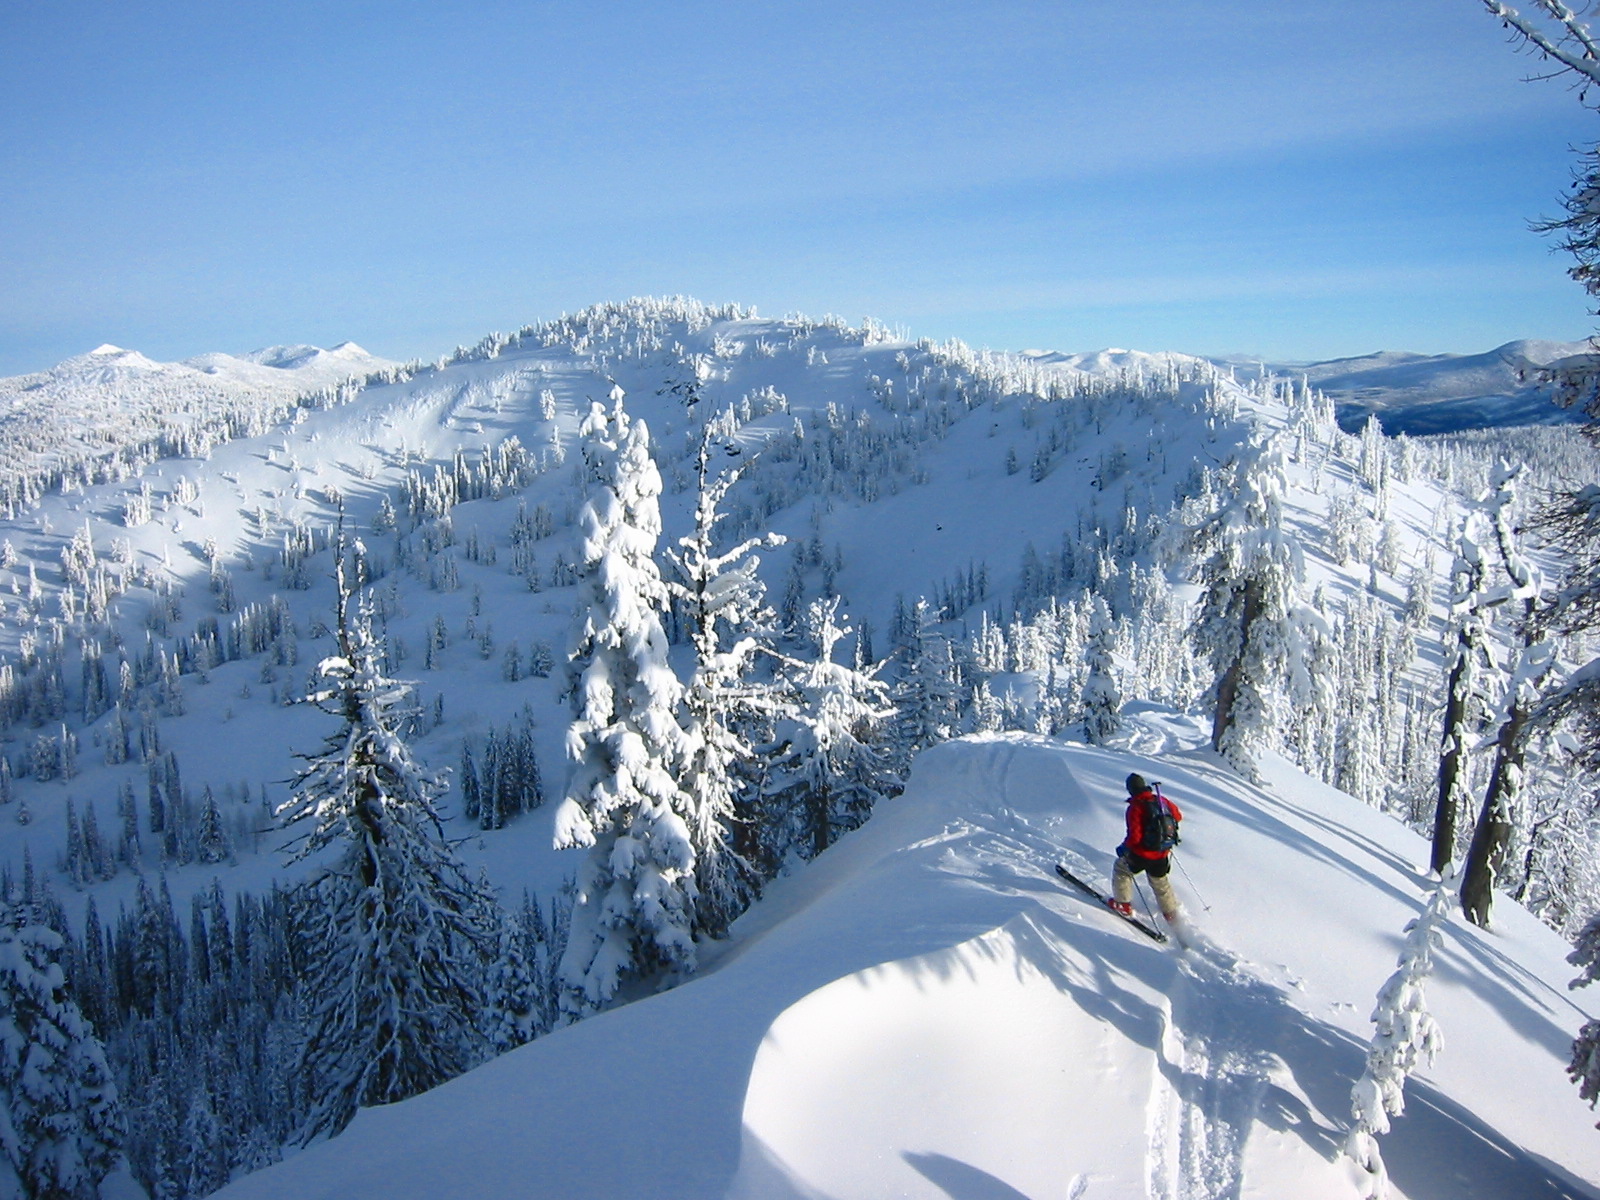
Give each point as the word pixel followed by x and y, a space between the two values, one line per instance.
pixel 925 1013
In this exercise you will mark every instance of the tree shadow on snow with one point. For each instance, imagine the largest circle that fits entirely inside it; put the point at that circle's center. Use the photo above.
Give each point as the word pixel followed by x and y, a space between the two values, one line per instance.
pixel 959 1180
pixel 1523 1001
pixel 1438 1150
pixel 1261 1062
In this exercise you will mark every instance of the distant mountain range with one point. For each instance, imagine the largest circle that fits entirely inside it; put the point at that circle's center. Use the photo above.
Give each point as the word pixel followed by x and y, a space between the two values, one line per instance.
pixel 1439 393
pixel 74 418
pixel 132 379
pixel 1414 394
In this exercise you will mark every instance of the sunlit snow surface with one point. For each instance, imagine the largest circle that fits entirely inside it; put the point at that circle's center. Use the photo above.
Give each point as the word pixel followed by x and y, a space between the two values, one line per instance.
pixel 924 1012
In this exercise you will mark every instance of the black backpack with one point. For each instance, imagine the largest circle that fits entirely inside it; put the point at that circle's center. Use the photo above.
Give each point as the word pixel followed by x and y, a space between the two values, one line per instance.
pixel 1160 826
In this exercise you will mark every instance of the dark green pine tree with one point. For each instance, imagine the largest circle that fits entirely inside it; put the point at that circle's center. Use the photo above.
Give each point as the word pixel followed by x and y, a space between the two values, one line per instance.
pixel 471 789
pixel 213 843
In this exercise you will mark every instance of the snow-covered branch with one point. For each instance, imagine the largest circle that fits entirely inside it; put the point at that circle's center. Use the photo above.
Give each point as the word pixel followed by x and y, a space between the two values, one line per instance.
pixel 1561 37
pixel 1405 1037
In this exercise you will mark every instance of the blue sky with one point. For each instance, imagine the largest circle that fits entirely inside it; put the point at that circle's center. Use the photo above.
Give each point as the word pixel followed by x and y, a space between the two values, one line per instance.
pixel 1291 180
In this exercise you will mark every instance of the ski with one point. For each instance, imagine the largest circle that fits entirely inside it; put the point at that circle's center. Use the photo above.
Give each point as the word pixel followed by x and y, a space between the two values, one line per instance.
pixel 1148 931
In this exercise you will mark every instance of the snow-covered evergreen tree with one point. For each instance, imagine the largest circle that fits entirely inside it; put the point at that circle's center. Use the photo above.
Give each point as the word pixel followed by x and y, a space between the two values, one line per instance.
pixel 1247 625
pixel 1462 710
pixel 1532 658
pixel 1560 34
pixel 510 1004
pixel 61 1123
pixel 204 1165
pixel 928 694
pixel 634 913
pixel 725 608
pixel 1572 523
pixel 397 935
pixel 1312 693
pixel 213 845
pixel 1405 1037
pixel 1584 1068
pixel 986 713
pixel 828 768
pixel 1102 698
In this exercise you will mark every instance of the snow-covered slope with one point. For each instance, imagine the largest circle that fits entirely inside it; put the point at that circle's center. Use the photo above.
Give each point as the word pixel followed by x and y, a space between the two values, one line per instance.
pixel 925 1012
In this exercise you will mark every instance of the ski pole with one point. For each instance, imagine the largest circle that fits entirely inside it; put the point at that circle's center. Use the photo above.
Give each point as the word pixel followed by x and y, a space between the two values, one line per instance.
pixel 1190 882
pixel 1144 902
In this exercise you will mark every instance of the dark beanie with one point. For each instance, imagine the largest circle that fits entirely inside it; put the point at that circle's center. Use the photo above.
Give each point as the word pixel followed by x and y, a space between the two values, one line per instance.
pixel 1136 784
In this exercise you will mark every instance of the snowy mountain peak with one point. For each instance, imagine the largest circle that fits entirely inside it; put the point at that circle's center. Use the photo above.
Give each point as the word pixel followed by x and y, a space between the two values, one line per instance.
pixel 285 357
pixel 1111 361
pixel 1539 351
pixel 107 358
pixel 298 357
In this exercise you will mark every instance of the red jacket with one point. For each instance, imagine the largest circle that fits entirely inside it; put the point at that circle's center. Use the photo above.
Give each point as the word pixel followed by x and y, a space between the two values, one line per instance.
pixel 1136 810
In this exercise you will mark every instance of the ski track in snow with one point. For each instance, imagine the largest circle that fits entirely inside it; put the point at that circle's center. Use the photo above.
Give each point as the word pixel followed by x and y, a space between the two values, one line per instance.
pixel 1212 1075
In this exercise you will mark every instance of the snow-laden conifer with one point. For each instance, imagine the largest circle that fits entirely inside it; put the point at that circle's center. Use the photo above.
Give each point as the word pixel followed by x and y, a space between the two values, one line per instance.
pixel 1405 1038
pixel 397 936
pixel 1560 34
pixel 1584 1069
pixel 213 845
pixel 204 1166
pixel 1102 698
pixel 1249 620
pixel 828 768
pixel 510 1003
pixel 928 696
pixel 1531 660
pixel 61 1124
pixel 1466 638
pixel 1572 523
pixel 725 609
pixel 1311 690
pixel 634 912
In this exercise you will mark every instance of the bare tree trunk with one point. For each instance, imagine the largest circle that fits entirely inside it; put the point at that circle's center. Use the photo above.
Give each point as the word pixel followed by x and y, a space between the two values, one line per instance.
pixel 1227 690
pixel 1228 685
pixel 1491 840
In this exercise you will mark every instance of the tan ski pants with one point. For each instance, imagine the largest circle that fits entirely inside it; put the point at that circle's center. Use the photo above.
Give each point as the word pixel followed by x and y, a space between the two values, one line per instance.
pixel 1122 882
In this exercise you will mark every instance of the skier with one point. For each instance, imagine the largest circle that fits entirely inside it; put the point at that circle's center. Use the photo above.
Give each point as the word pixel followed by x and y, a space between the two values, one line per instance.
pixel 1152 832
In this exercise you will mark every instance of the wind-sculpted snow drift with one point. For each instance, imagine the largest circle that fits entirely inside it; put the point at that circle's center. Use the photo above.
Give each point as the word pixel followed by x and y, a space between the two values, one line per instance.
pixel 925 1013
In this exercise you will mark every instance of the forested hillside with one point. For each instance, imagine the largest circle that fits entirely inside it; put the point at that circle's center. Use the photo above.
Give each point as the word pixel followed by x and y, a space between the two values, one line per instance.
pixel 747 567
